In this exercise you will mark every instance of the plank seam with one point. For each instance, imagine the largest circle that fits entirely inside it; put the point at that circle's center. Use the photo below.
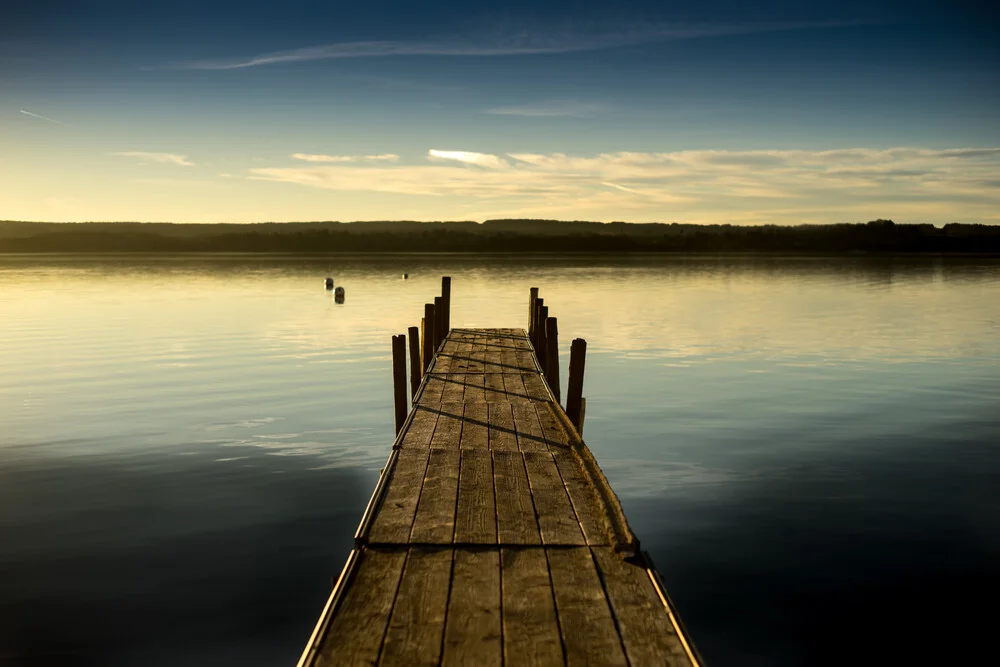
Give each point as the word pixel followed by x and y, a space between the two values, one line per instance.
pixel 611 604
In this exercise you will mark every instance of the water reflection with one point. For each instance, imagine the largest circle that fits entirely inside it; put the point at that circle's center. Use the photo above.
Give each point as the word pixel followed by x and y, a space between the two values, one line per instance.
pixel 188 443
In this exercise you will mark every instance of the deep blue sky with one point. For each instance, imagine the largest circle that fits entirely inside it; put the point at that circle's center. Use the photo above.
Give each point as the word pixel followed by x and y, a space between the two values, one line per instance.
pixel 147 117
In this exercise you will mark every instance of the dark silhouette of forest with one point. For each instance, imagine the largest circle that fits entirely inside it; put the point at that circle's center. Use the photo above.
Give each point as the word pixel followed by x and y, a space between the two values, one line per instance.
pixel 521 236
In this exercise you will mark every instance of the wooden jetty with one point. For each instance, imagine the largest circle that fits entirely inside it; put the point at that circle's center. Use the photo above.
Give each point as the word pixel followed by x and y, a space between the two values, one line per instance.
pixel 492 537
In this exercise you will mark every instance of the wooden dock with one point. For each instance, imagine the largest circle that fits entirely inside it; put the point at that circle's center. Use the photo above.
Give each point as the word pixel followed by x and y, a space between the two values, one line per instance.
pixel 492 537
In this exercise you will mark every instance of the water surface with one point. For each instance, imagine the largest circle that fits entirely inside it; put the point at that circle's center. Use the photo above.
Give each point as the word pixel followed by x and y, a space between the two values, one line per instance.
pixel 808 448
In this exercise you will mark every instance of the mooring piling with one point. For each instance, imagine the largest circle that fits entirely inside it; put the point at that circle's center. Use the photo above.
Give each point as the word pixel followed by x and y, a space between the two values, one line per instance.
pixel 552 356
pixel 574 386
pixel 427 336
pixel 416 372
pixel 400 403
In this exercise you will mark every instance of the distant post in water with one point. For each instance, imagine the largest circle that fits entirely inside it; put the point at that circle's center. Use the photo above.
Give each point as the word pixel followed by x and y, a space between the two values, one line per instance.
pixel 446 301
pixel 552 355
pixel 438 322
pixel 399 379
pixel 416 372
pixel 531 312
pixel 428 335
pixel 574 386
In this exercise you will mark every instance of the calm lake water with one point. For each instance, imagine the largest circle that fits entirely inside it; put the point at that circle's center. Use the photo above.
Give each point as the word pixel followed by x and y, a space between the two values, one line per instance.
pixel 808 448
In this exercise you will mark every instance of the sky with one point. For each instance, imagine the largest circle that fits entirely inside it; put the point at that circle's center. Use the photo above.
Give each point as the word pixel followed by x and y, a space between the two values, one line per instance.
pixel 696 112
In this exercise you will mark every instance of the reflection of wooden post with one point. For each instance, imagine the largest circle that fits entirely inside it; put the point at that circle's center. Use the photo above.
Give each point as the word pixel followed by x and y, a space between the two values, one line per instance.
pixel 552 356
pixel 543 315
pixel 574 386
pixel 428 335
pixel 531 312
pixel 399 379
pixel 446 301
pixel 438 322
pixel 415 370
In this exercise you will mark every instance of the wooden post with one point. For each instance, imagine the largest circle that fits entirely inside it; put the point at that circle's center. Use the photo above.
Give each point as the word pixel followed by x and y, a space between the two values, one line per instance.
pixel 583 414
pixel 535 332
pixel 415 370
pixel 543 315
pixel 531 312
pixel 574 387
pixel 446 301
pixel 428 335
pixel 552 355
pixel 438 322
pixel 399 379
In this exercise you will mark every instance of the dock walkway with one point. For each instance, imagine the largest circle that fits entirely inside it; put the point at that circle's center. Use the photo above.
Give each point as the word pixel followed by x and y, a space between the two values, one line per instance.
pixel 492 537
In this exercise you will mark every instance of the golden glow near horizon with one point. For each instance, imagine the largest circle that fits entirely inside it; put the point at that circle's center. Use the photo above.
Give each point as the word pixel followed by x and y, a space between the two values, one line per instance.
pixel 906 184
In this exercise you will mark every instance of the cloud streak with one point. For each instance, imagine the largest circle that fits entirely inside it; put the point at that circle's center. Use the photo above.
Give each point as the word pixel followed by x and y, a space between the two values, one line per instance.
pixel 696 185
pixel 41 117
pixel 548 110
pixel 313 157
pixel 146 157
pixel 514 43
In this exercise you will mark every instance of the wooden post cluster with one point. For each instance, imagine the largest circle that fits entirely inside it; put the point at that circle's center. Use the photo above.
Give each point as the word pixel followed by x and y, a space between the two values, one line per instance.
pixel 424 341
pixel 543 332
pixel 416 372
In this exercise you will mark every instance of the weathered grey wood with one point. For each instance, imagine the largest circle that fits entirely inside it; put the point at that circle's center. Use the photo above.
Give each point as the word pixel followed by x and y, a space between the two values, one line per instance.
pixel 646 630
pixel 552 356
pixel 516 520
pixel 476 516
pixel 530 629
pixel 416 626
pixel 588 629
pixel 439 332
pixel 590 511
pixel 542 347
pixel 555 434
pixel 502 434
pixel 434 522
pixel 427 324
pixel 394 519
pixel 473 630
pixel 475 388
pixel 355 634
pixel 454 388
pixel 536 338
pixel 421 428
pixel 513 386
pixel 495 391
pixel 535 387
pixel 400 403
pixel 574 386
pixel 433 388
pixel 448 430
pixel 557 521
pixel 494 360
pixel 416 372
pixel 529 432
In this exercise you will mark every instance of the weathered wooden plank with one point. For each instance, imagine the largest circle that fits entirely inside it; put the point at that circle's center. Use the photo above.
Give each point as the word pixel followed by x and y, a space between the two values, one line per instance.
pixel 476 517
pixel 556 519
pixel 529 432
pixel 448 431
pixel 421 428
pixel 530 630
pixel 533 383
pixel 516 520
pixel 475 426
pixel 588 629
pixel 495 391
pixel 416 626
pixel 473 630
pixel 555 434
pixel 647 632
pixel 454 388
pixel 494 363
pixel 355 633
pixel 394 517
pixel 475 388
pixel 508 359
pixel 434 521
pixel 502 434
pixel 513 386
pixel 433 388
pixel 586 503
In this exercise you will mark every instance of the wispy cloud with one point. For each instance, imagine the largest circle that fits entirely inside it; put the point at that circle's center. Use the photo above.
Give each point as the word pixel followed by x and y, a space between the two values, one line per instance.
pixel 548 109
pixel 159 158
pixel 468 157
pixel 41 117
pixel 312 157
pixel 512 43
pixel 696 185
